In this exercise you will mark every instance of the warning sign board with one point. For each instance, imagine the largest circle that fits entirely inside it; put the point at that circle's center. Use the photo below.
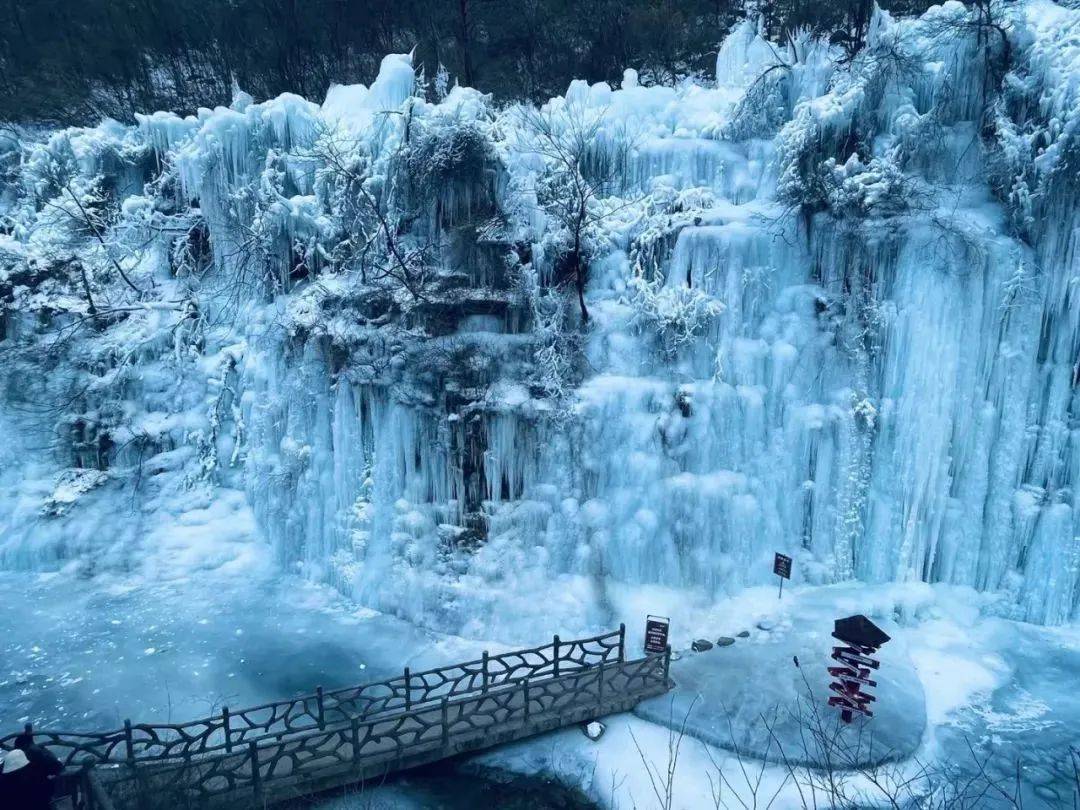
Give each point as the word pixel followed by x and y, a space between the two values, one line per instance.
pixel 656 633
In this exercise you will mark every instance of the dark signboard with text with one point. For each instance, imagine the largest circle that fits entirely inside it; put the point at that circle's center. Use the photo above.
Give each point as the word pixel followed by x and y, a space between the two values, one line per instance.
pixel 656 634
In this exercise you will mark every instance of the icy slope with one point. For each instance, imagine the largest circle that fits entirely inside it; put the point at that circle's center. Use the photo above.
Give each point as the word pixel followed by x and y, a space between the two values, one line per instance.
pixel 827 308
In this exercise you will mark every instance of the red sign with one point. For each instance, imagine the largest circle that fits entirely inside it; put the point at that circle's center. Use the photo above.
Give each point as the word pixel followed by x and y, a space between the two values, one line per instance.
pixel 860 638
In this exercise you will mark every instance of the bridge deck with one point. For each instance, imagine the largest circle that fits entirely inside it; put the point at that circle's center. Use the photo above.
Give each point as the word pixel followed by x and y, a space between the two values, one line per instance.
pixel 438 717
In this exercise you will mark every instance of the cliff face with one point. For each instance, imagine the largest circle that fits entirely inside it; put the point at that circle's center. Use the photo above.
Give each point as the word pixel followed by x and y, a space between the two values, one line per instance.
pixel 487 367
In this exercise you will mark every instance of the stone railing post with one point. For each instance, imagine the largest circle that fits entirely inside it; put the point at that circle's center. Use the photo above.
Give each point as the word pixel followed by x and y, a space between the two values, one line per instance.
pixel 408 690
pixel 256 776
pixel 319 705
pixel 129 746
pixel 600 688
pixel 555 656
pixel 129 742
pixel 445 723
pixel 356 740
pixel 485 677
pixel 84 798
pixel 225 728
pixel 622 643
pixel 525 687
pixel 667 663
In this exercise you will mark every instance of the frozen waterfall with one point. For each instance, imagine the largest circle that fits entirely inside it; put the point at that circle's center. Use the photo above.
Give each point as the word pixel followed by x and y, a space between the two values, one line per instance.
pixel 835 312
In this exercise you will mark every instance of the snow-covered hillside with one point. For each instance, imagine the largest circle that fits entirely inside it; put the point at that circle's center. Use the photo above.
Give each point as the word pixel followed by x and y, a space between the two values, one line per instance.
pixel 492 370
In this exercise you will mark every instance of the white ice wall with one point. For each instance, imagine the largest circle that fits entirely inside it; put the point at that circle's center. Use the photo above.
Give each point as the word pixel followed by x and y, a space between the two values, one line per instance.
pixel 888 399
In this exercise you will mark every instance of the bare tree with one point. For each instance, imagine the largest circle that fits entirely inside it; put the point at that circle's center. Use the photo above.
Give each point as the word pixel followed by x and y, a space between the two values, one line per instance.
pixel 374 242
pixel 87 211
pixel 581 173
pixel 662 777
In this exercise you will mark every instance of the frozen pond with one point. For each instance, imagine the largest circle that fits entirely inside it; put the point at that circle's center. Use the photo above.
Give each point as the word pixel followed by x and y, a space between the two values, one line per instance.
pixel 76 656
pixel 86 654
pixel 79 656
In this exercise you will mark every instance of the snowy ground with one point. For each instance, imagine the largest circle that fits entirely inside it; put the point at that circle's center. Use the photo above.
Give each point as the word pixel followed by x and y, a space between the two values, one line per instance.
pixel 85 653
pixel 996 692
pixel 206 618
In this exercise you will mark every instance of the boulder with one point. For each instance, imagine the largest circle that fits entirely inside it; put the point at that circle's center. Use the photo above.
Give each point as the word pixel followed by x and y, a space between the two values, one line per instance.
pixel 725 641
pixel 701 645
pixel 743 634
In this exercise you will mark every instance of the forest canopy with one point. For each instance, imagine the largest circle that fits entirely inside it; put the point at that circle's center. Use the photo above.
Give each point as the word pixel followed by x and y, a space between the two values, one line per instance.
pixel 77 61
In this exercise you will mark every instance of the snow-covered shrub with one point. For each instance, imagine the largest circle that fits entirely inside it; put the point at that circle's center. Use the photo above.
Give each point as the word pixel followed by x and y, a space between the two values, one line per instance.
pixel 676 313
pixel 1010 169
pixel 556 347
pixel 831 130
pixel 665 212
pixel 763 108
pixel 223 411
pixel 452 168
pixel 1030 132
pixel 71 485
pixel 859 190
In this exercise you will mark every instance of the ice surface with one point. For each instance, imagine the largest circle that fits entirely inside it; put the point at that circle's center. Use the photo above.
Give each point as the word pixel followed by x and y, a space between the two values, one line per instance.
pixel 202 619
pixel 751 697
pixel 998 697
pixel 82 658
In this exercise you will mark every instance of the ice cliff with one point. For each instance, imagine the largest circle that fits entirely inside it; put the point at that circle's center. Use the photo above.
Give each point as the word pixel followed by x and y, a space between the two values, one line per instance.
pixel 827 306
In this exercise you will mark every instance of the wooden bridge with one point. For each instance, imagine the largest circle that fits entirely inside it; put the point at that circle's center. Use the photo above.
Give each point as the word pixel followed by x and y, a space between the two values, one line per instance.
pixel 292 748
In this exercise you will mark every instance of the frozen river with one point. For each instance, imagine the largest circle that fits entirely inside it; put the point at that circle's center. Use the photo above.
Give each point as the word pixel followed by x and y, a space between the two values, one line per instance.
pixel 81 655
pixel 86 654
pixel 78 656
pixel 206 618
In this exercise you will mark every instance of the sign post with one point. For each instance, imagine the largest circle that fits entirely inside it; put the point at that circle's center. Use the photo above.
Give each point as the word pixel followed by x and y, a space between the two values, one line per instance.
pixel 656 633
pixel 859 639
pixel 782 568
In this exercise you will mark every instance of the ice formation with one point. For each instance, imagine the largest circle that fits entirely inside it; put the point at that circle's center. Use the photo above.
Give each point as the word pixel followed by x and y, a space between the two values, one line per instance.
pixel 832 311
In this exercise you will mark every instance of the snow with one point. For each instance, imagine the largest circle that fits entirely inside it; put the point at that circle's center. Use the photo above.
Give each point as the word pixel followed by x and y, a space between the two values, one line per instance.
pixel 990 699
pixel 753 697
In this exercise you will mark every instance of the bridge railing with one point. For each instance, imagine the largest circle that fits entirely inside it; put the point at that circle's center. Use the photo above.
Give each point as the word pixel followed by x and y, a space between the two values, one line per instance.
pixel 231 730
pixel 387 740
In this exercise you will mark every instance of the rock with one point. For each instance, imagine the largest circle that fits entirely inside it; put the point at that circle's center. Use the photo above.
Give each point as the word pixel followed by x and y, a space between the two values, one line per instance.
pixel 725 641
pixel 766 625
pixel 744 634
pixel 701 645
pixel 594 730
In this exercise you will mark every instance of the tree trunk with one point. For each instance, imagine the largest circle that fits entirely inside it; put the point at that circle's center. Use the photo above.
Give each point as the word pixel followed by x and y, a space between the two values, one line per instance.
pixel 581 292
pixel 466 56
pixel 579 274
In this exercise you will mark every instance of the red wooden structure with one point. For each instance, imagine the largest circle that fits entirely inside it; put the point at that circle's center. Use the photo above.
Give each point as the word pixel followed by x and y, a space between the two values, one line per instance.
pixel 861 639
